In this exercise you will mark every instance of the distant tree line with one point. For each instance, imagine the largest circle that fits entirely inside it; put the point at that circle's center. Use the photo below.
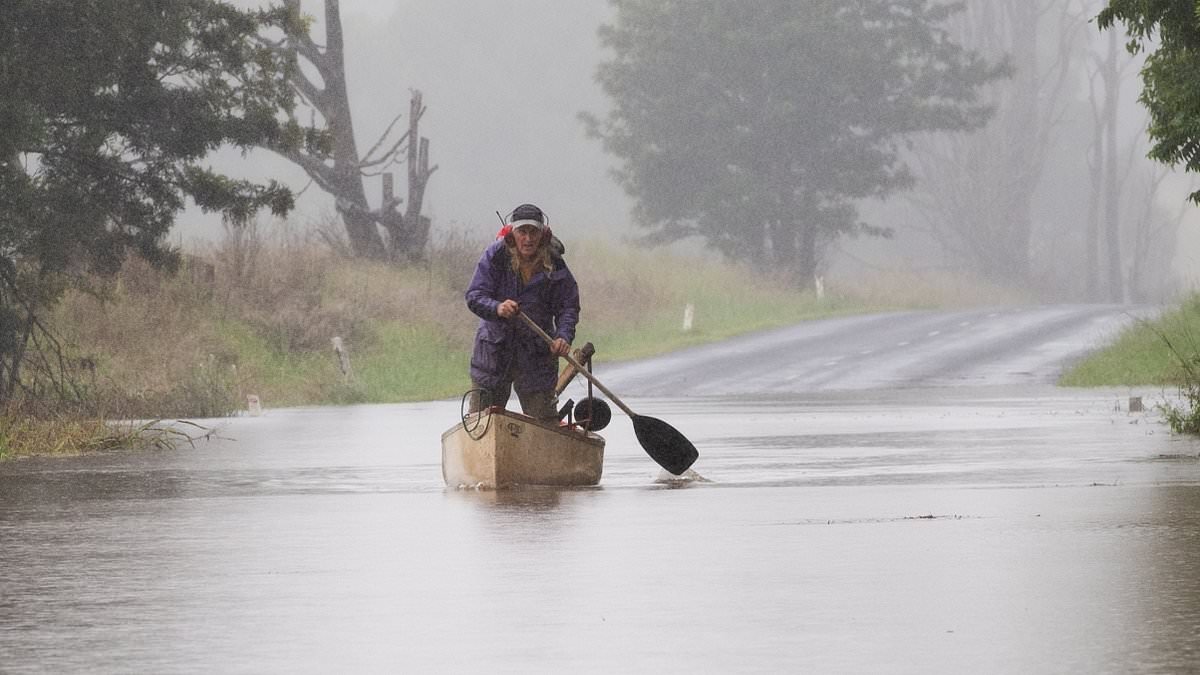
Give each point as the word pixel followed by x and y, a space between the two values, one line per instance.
pixel 762 128
pixel 1054 194
pixel 758 126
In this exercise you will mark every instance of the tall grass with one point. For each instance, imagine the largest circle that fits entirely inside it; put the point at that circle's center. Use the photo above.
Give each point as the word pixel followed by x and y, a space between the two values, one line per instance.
pixel 1154 352
pixel 634 300
pixel 255 314
pixel 23 434
pixel 1165 351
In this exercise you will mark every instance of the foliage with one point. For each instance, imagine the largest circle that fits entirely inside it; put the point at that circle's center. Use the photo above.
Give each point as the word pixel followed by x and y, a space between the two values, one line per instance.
pixel 1152 351
pixel 205 389
pixel 159 345
pixel 1185 418
pixel 758 125
pixel 1170 77
pixel 215 340
pixel 1162 351
pixel 22 433
pixel 258 319
pixel 109 109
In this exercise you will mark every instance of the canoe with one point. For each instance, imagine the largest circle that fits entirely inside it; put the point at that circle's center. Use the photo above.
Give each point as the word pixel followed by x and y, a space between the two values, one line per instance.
pixel 499 448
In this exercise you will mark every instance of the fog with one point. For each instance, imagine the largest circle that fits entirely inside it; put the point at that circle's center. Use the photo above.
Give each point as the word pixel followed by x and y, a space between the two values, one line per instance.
pixel 504 83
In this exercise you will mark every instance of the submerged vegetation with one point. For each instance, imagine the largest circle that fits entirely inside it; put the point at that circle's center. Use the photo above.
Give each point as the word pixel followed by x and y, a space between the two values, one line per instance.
pixel 23 434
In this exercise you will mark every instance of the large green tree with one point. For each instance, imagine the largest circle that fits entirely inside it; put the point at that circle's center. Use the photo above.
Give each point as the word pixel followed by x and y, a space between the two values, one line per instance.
pixel 109 109
pixel 1169 30
pixel 758 125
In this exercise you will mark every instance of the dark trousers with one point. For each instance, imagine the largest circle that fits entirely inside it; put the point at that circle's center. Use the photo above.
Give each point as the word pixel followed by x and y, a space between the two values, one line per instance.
pixel 537 404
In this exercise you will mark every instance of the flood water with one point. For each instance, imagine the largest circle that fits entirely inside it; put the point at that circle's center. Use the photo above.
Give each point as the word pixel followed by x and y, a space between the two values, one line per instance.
pixel 941 530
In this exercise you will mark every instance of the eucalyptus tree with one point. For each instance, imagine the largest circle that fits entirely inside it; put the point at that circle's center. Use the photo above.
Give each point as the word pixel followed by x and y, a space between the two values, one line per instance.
pixel 1168 30
pixel 758 126
pixel 109 110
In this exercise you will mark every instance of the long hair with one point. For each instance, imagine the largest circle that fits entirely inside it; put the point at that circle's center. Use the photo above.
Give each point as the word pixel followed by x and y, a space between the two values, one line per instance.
pixel 541 258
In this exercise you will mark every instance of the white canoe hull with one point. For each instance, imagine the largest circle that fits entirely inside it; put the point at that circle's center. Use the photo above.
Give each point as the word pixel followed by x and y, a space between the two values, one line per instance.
pixel 500 448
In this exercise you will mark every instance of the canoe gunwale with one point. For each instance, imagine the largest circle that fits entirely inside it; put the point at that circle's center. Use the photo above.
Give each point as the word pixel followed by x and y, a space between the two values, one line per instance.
pixel 573 432
pixel 514 449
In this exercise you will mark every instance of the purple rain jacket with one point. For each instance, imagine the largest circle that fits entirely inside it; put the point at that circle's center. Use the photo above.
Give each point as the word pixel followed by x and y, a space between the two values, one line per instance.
pixel 550 299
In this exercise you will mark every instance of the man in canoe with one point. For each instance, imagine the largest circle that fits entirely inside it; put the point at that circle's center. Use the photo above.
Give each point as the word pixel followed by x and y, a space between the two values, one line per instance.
pixel 521 272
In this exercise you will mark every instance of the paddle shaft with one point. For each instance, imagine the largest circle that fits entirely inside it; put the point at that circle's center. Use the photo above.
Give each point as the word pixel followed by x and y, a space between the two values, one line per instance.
pixel 582 371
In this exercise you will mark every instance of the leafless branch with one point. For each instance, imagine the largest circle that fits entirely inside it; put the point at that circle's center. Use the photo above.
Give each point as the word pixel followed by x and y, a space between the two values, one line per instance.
pixel 382 137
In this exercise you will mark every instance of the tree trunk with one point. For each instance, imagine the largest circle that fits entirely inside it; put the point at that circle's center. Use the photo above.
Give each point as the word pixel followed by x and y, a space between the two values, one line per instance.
pixel 806 256
pixel 1112 194
pixel 1091 238
pixel 1022 123
pixel 978 189
pixel 794 250
pixel 351 197
pixel 408 234
pixel 342 172
pixel 11 362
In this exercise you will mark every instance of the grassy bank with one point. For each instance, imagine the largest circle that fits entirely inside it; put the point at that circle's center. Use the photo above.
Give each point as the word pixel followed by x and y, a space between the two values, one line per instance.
pixel 1164 352
pixel 255 315
pixel 23 434
pixel 261 321
pixel 1158 352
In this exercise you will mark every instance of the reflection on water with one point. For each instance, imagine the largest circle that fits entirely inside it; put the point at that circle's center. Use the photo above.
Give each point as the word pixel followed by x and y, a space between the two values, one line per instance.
pixel 1169 560
pixel 517 501
pixel 1035 533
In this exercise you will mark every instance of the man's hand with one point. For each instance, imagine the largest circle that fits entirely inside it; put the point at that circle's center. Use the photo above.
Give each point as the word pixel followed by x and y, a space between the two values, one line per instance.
pixel 560 347
pixel 508 309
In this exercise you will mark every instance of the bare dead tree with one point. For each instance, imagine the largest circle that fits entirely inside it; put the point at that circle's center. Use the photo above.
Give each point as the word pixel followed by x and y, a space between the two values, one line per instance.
pixel 320 82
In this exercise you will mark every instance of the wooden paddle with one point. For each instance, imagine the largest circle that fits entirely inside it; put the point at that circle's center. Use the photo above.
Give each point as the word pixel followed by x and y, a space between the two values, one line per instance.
pixel 660 440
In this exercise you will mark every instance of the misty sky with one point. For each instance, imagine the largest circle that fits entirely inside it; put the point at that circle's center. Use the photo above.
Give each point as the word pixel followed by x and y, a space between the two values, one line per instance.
pixel 503 81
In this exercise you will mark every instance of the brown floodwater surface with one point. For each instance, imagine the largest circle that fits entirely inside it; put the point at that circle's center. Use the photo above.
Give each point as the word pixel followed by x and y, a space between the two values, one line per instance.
pixel 944 530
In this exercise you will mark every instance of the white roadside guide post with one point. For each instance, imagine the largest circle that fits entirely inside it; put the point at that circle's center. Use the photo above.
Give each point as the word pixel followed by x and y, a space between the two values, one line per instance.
pixel 343 358
pixel 253 402
pixel 689 313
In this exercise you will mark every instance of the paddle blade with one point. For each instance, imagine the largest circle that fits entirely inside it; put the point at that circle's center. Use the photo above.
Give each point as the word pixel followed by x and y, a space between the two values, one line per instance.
pixel 664 444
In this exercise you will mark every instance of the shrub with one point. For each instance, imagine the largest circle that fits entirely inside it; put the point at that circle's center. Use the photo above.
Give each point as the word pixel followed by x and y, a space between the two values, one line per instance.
pixel 1177 333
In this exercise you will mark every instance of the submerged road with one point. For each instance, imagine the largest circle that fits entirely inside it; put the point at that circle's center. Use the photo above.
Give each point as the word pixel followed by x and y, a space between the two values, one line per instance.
pixel 988 347
pixel 900 493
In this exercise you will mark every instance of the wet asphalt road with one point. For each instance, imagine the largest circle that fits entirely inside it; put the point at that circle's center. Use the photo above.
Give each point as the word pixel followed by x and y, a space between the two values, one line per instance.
pixel 919 517
pixel 992 347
